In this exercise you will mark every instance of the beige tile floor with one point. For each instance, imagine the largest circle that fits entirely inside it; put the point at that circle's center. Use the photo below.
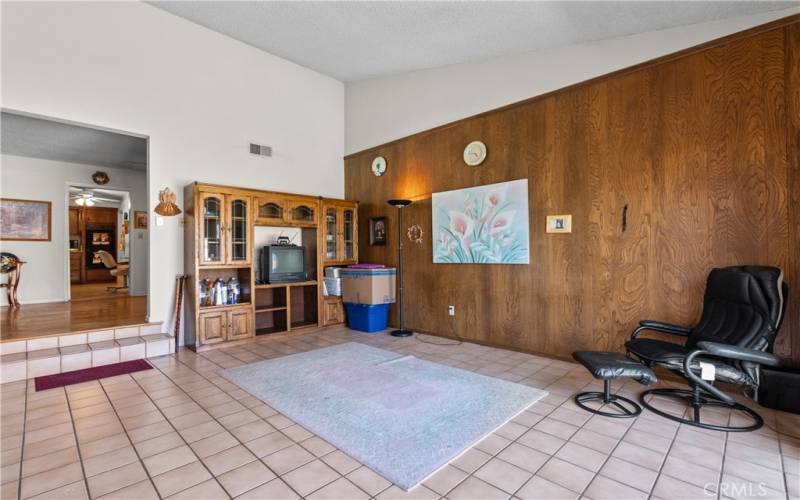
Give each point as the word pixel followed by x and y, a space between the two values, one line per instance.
pixel 182 431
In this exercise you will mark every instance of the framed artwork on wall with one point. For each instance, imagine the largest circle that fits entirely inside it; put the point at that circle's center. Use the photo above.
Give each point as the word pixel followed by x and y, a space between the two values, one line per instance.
pixel 139 219
pixel 482 225
pixel 377 231
pixel 25 220
pixel 559 223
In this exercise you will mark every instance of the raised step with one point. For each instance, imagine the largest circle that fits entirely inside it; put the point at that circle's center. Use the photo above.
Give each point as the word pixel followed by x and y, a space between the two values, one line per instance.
pixel 131 348
pixel 75 357
pixel 75 351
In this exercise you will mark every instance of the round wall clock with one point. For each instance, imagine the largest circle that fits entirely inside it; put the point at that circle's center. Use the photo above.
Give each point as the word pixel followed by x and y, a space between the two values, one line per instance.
pixel 474 153
pixel 379 166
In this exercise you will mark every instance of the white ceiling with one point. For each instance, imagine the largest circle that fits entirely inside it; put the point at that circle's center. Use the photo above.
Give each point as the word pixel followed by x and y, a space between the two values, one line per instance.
pixel 353 41
pixel 108 195
pixel 51 140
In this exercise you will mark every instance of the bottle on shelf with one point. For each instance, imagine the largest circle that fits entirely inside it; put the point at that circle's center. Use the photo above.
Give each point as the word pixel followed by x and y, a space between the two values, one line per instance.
pixel 220 292
pixel 202 291
pixel 233 290
pixel 207 292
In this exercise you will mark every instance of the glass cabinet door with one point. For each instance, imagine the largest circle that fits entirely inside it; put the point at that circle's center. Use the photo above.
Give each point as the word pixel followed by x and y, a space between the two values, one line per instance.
pixel 238 231
pixel 270 210
pixel 348 234
pixel 303 214
pixel 330 234
pixel 211 238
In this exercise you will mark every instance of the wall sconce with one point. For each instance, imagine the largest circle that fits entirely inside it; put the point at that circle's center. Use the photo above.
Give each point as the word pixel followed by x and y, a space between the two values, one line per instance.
pixel 166 203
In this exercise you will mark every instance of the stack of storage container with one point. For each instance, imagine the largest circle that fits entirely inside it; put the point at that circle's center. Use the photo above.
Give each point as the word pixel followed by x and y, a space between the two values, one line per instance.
pixel 332 281
pixel 367 294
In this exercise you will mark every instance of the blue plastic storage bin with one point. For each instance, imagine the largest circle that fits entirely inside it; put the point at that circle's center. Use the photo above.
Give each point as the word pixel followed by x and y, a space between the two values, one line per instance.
pixel 367 318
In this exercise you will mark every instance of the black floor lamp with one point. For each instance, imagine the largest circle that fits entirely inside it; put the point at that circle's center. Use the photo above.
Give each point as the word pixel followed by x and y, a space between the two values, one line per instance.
pixel 399 204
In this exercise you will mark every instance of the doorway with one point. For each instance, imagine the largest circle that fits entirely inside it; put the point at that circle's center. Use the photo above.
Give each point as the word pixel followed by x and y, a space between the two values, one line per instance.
pixel 100 263
pixel 95 181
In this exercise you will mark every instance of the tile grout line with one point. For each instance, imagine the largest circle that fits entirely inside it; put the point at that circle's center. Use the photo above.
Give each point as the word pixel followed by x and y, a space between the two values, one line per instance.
pixel 566 441
pixel 783 470
pixel 278 476
pixel 666 456
pixel 22 451
pixel 22 443
pixel 221 425
pixel 127 435
pixel 77 443
pixel 166 419
pixel 722 464
pixel 496 454
pixel 290 348
pixel 619 440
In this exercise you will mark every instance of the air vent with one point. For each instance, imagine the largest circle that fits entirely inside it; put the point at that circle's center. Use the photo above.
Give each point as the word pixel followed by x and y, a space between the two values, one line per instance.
pixel 258 149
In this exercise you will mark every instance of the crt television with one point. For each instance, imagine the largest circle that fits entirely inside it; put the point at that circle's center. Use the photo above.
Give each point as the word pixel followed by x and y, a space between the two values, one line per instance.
pixel 282 263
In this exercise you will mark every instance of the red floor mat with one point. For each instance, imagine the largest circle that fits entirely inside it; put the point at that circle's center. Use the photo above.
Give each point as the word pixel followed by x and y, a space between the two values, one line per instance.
pixel 85 375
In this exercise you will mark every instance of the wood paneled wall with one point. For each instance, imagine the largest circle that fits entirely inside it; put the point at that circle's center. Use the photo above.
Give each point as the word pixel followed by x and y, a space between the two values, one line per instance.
pixel 702 146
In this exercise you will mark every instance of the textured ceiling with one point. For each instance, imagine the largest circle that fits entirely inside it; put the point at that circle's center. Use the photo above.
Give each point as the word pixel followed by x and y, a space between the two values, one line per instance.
pixel 353 41
pixel 49 140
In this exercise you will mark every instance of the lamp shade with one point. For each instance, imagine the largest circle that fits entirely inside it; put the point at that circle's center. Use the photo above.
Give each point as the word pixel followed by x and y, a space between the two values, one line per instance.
pixel 399 203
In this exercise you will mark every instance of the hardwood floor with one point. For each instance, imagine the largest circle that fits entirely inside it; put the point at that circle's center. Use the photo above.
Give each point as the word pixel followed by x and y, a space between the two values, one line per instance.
pixel 42 320
pixel 92 291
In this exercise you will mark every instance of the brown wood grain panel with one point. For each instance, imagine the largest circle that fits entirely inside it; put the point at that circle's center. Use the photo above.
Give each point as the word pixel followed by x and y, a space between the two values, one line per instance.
pixel 792 274
pixel 702 149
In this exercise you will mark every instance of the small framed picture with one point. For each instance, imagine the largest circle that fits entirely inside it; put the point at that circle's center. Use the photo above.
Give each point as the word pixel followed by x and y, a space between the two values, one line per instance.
pixel 559 223
pixel 139 219
pixel 377 231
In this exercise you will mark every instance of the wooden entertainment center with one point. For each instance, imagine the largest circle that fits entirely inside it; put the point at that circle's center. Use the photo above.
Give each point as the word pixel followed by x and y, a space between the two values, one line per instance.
pixel 219 243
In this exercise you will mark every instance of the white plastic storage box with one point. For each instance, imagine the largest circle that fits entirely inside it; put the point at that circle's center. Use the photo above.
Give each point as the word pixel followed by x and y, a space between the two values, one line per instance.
pixel 333 286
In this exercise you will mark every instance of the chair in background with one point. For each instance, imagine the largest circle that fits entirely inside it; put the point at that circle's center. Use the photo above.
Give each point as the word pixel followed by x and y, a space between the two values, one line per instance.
pixel 118 270
pixel 742 313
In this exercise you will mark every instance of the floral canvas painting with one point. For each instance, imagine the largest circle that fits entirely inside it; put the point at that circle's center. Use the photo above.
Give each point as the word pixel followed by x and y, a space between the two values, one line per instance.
pixel 482 225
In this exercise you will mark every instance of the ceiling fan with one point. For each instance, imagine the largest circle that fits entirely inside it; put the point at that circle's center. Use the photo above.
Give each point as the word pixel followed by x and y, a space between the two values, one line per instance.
pixel 87 198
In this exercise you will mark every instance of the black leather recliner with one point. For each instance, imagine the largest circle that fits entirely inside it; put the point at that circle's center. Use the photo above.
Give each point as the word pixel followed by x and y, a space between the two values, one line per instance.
pixel 742 313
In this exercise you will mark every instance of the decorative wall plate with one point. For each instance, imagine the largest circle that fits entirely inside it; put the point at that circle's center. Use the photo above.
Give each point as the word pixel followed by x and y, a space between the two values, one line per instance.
pixel 379 166
pixel 100 177
pixel 474 153
pixel 415 234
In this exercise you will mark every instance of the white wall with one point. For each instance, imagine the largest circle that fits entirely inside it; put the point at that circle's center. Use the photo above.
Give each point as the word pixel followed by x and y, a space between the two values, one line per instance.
pixel 199 96
pixel 385 109
pixel 45 277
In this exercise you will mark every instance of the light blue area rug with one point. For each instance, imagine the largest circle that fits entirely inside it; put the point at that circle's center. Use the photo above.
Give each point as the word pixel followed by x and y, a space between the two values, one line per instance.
pixel 402 416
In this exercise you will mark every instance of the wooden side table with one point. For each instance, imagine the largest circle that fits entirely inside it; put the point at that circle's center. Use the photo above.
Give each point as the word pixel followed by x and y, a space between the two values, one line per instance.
pixel 12 285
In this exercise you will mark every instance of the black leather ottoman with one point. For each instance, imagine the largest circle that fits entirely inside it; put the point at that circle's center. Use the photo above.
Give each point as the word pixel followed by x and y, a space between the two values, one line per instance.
pixel 608 366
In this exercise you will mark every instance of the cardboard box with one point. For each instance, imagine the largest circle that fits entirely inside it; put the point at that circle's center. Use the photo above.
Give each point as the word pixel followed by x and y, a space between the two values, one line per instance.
pixel 368 286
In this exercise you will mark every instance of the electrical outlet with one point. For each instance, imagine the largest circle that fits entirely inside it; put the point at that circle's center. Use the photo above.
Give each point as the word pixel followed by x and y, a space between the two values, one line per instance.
pixel 451 310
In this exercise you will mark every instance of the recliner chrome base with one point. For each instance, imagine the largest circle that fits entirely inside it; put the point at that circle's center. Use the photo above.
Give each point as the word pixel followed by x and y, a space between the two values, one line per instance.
pixel 696 399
